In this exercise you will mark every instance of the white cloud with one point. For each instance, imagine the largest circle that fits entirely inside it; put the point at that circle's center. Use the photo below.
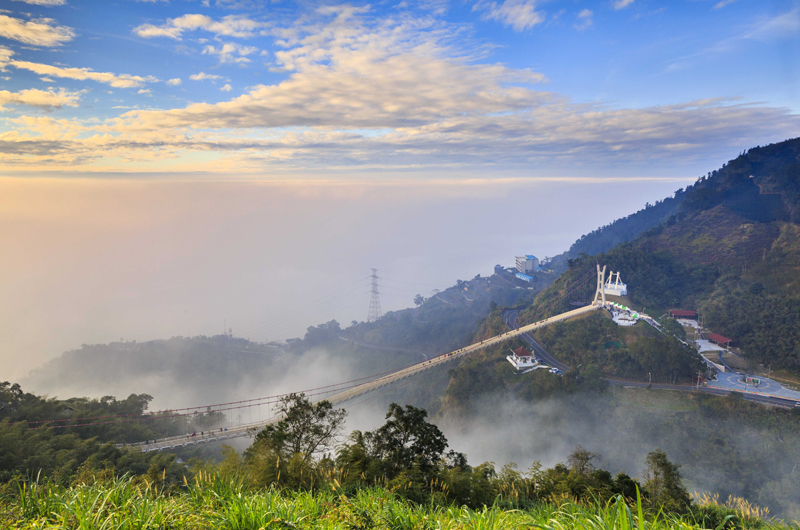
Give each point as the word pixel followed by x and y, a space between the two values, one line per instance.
pixel 367 93
pixel 226 88
pixel 519 14
pixel 36 32
pixel 229 26
pixel 79 74
pixel 231 52
pixel 144 91
pixel 202 76
pixel 5 56
pixel 392 76
pixel 783 25
pixel 44 2
pixel 82 74
pixel 765 29
pixel 622 4
pixel 723 3
pixel 174 82
pixel 585 20
pixel 40 98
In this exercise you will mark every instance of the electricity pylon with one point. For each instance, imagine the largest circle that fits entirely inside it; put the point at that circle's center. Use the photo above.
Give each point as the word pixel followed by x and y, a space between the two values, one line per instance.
pixel 375 302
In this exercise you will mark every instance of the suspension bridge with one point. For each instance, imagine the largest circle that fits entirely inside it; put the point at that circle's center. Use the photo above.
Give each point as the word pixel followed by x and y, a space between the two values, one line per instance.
pixel 358 388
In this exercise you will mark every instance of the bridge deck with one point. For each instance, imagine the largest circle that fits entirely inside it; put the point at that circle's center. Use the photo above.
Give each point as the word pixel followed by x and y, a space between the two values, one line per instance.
pixel 248 429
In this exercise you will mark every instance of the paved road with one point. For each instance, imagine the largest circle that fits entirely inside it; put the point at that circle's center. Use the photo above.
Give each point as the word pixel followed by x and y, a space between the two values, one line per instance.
pixel 510 318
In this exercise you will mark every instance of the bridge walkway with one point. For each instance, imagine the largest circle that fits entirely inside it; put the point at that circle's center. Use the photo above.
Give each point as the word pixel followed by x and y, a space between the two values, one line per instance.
pixel 342 396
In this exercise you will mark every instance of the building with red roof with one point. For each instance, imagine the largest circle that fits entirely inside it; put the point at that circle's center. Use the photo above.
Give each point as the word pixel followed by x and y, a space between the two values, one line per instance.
pixel 522 359
pixel 682 313
pixel 522 351
pixel 718 339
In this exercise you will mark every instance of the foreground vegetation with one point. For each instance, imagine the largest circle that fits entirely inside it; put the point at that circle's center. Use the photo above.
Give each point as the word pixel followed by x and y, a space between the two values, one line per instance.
pixel 297 473
pixel 213 500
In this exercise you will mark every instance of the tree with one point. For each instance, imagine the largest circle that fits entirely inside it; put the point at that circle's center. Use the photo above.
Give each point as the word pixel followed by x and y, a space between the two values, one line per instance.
pixel 418 300
pixel 322 333
pixel 580 461
pixel 306 428
pixel 406 438
pixel 663 483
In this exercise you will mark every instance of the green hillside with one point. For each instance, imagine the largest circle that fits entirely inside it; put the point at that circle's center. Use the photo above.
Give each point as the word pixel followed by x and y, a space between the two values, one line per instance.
pixel 731 250
pixel 772 194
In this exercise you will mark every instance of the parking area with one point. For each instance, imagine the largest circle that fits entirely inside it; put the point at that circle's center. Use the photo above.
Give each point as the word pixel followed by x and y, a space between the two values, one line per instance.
pixel 767 387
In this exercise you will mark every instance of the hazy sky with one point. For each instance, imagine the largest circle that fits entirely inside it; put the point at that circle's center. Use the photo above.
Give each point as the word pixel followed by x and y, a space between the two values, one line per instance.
pixel 166 166
pixel 96 261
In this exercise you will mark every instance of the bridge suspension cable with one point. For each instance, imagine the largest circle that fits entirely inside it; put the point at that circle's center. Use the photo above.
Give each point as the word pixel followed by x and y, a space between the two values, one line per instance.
pixel 204 409
pixel 312 307
pixel 574 286
pixel 343 391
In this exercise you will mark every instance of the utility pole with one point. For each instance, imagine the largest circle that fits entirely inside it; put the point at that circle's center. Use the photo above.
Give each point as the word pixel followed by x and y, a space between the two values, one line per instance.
pixel 375 302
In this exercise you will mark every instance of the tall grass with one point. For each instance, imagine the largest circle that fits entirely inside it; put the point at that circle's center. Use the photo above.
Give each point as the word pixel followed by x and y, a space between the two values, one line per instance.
pixel 214 501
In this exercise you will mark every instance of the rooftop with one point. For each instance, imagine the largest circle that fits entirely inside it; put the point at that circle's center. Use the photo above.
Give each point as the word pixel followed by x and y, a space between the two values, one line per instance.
pixel 719 339
pixel 682 313
pixel 522 351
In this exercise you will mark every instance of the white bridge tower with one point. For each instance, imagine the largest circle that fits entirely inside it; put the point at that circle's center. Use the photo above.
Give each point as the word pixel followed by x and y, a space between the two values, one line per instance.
pixel 600 293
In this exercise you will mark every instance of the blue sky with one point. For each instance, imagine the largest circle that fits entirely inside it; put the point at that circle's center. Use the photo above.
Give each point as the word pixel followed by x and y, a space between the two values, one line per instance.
pixel 281 90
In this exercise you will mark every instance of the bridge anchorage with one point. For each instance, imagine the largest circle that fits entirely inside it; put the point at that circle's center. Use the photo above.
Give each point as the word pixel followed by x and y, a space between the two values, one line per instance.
pixel 249 429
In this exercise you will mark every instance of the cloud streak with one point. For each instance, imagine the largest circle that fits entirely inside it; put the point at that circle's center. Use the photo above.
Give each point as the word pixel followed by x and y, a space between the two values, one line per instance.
pixel 520 15
pixel 229 26
pixel 40 98
pixel 230 53
pixel 79 74
pixel 36 32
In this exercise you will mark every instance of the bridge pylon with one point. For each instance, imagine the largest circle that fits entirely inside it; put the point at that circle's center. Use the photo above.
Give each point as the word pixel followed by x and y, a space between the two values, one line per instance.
pixel 600 293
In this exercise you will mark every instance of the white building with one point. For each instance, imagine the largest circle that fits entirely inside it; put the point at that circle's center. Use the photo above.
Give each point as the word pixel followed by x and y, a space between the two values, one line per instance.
pixel 522 359
pixel 615 287
pixel 527 263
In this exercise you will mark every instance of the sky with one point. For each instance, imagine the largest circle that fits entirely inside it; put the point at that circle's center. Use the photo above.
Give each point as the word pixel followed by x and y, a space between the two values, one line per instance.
pixel 240 89
pixel 170 166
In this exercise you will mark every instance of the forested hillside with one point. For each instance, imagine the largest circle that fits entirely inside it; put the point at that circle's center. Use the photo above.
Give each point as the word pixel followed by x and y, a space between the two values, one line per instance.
pixel 731 250
pixel 772 194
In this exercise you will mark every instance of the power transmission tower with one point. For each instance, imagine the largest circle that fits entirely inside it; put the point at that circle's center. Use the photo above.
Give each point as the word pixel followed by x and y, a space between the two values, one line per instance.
pixel 375 302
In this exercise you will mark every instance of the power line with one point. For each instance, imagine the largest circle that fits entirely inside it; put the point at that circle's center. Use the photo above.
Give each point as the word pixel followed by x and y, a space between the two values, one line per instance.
pixel 408 283
pixel 300 311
